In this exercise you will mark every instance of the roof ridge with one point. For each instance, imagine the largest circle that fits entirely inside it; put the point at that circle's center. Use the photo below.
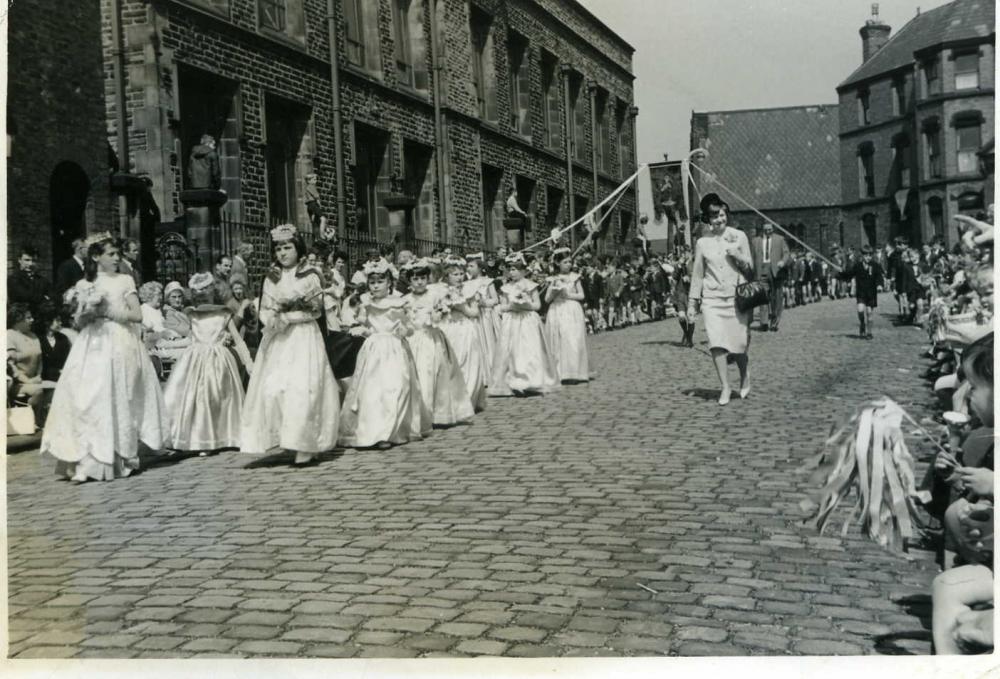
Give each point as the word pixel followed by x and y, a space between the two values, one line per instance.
pixel 766 108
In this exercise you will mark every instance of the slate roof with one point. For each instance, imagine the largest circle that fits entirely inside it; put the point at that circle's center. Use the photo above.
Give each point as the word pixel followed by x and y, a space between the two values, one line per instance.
pixel 775 158
pixel 958 20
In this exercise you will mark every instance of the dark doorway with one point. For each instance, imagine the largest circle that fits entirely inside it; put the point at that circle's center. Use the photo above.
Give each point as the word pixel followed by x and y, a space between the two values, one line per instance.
pixel 210 105
pixel 870 229
pixel 69 187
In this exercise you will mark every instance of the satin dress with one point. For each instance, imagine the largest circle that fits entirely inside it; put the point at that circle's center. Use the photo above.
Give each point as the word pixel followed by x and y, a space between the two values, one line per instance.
pixel 442 385
pixel 204 394
pixel 566 331
pixel 522 362
pixel 465 337
pixel 489 319
pixel 384 403
pixel 108 397
pixel 292 400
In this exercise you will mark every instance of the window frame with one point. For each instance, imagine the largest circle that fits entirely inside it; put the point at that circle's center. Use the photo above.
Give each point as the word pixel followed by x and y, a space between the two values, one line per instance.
pixel 960 55
pixel 899 102
pixel 968 153
pixel 551 94
pixel 866 170
pixel 402 48
pixel 864 108
pixel 932 66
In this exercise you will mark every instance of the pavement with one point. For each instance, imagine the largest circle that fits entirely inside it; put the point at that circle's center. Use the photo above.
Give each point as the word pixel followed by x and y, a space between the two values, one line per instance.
pixel 628 517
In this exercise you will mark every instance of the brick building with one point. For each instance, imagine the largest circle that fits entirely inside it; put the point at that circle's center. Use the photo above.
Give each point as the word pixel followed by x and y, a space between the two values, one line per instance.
pixel 421 160
pixel 784 161
pixel 912 118
pixel 57 158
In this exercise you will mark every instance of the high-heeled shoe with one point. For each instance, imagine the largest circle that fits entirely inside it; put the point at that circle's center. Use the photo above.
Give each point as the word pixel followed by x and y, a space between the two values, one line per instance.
pixel 725 396
pixel 744 391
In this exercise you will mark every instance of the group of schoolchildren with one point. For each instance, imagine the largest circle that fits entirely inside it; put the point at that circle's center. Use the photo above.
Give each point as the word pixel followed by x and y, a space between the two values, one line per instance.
pixel 373 361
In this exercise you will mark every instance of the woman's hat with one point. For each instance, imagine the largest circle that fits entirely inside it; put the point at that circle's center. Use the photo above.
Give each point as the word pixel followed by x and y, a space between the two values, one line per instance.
pixel 712 199
pixel 172 286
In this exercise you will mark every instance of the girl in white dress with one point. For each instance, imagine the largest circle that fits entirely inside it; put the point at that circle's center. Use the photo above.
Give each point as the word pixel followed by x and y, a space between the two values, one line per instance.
pixel 565 325
pixel 481 287
pixel 460 323
pixel 522 363
pixel 292 400
pixel 383 406
pixel 107 399
pixel 442 386
pixel 204 394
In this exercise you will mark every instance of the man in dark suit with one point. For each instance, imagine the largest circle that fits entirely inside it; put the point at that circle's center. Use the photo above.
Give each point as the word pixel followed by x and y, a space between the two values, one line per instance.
pixel 770 263
pixel 69 272
pixel 25 286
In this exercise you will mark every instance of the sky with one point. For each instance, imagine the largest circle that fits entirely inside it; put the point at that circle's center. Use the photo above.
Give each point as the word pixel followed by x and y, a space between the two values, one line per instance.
pixel 719 55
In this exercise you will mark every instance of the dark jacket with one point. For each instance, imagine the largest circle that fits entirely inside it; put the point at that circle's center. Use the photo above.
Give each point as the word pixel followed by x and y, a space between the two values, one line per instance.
pixel 867 280
pixel 68 273
pixel 25 289
pixel 53 356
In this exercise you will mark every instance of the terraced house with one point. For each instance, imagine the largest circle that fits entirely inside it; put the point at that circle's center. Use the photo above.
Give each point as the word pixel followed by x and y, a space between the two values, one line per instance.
pixel 913 120
pixel 432 112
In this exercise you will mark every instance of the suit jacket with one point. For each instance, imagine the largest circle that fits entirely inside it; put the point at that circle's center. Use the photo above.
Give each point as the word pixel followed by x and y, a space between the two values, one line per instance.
pixel 67 275
pixel 25 289
pixel 866 280
pixel 778 267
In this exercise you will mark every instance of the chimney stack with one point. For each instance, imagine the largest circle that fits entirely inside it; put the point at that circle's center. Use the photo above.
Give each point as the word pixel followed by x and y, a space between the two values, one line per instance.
pixel 874 34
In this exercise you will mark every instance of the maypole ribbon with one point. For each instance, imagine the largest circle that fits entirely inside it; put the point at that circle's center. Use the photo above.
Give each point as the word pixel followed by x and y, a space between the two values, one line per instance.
pixel 621 189
pixel 765 217
pixel 592 231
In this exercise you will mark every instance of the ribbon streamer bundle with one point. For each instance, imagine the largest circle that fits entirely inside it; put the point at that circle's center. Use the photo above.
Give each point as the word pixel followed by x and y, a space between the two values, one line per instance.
pixel 868 455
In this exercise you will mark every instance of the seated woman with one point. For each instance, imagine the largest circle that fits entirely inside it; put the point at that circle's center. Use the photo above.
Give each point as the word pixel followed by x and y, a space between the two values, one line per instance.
pixel 151 298
pixel 24 352
pixel 174 318
pixel 55 343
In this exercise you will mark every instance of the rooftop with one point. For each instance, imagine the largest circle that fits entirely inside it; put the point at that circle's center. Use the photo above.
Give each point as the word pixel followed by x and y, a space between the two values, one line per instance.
pixel 774 158
pixel 958 20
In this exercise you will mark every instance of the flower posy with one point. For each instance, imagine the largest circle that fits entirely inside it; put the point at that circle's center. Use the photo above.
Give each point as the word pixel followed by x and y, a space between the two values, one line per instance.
pixel 88 300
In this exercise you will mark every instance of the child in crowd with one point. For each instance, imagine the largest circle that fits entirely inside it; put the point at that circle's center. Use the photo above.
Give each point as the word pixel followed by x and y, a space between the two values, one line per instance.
pixel 204 394
pixel 565 326
pixel 866 275
pixel 480 287
pixel 522 364
pixel 442 386
pixel 292 400
pixel 461 325
pixel 383 406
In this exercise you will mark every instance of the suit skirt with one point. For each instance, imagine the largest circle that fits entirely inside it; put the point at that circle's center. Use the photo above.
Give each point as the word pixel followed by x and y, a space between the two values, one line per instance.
pixel 726 327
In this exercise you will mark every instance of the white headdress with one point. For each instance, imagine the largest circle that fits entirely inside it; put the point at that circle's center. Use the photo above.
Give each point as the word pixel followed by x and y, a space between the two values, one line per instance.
pixel 283 232
pixel 379 266
pixel 99 237
pixel 200 281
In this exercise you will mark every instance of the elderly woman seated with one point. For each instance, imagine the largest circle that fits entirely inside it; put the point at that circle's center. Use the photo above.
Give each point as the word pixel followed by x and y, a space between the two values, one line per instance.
pixel 174 318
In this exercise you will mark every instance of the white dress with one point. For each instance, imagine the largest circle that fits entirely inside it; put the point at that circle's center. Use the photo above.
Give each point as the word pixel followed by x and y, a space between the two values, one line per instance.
pixel 292 400
pixel 384 404
pixel 566 330
pixel 489 320
pixel 522 363
pixel 108 398
pixel 333 297
pixel 464 334
pixel 204 394
pixel 442 385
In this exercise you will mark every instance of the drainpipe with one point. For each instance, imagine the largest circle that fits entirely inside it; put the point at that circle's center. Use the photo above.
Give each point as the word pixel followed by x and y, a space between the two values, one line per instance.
pixel 437 93
pixel 592 89
pixel 566 69
pixel 338 131
pixel 124 165
pixel 633 113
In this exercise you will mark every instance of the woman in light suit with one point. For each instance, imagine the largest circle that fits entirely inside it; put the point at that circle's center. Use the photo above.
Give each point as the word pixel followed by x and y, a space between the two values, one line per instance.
pixel 721 259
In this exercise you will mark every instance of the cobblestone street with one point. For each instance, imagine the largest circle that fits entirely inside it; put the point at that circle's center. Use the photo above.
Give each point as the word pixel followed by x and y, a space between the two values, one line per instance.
pixel 631 516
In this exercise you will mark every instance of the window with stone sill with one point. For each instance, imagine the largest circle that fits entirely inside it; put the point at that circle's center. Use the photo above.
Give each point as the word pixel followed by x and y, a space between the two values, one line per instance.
pixel 968 137
pixel 520 84
pixel 578 117
pixel 967 70
pixel 217 6
pixel 901 161
pixel 866 171
pixel 284 17
pixel 864 108
pixel 483 65
pixel 550 106
pixel 899 97
pixel 409 46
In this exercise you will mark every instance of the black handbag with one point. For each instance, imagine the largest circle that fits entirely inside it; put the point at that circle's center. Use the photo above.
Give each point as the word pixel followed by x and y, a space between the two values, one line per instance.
pixel 750 295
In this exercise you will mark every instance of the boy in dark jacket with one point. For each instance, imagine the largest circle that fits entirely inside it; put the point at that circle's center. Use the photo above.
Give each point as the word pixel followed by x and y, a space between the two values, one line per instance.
pixel 867 276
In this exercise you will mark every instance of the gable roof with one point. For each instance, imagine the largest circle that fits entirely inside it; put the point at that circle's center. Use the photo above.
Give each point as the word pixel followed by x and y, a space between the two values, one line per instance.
pixel 958 20
pixel 775 158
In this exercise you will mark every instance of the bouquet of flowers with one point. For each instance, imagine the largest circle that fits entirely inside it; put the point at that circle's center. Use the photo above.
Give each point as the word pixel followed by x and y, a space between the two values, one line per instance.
pixel 88 301
pixel 299 303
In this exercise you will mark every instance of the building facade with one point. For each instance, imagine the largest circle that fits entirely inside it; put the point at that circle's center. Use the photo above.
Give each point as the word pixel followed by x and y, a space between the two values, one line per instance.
pixel 57 153
pixel 782 161
pixel 443 107
pixel 913 117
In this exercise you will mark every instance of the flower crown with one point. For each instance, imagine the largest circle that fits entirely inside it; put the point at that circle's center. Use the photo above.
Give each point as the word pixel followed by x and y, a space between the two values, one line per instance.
pixel 475 255
pixel 99 237
pixel 201 281
pixel 283 232
pixel 454 260
pixel 380 267
pixel 516 258
pixel 561 251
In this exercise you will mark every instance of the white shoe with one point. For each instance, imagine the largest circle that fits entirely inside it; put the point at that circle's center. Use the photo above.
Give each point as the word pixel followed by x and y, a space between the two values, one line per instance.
pixel 724 397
